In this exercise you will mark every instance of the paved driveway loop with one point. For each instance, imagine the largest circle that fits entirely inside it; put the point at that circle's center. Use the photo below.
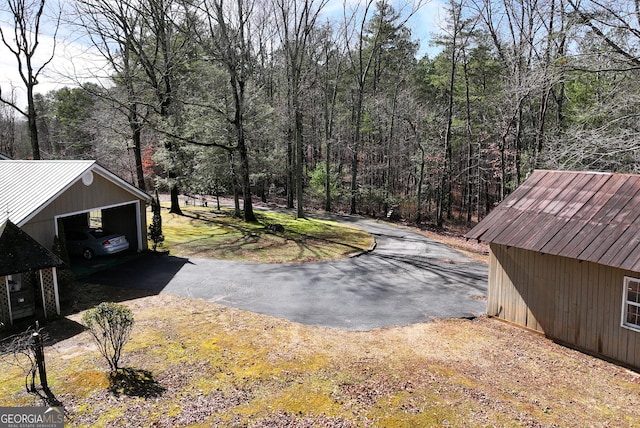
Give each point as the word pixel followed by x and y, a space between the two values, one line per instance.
pixel 407 279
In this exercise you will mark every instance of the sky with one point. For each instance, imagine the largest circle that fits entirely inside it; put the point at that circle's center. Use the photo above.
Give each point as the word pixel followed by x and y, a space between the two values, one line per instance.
pixel 76 59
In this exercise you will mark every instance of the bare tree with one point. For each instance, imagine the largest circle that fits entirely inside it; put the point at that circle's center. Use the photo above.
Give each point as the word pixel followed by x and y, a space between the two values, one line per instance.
pixel 229 41
pixel 362 49
pixel 616 23
pixel 296 20
pixel 23 43
pixel 111 27
pixel 138 40
pixel 331 70
pixel 8 130
pixel 25 348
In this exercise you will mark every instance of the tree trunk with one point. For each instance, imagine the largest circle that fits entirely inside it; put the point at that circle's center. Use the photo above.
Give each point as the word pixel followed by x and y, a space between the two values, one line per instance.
pixel 238 85
pixel 290 167
pixel 33 124
pixel 327 181
pixel 175 201
pixel 469 185
pixel 173 177
pixel 299 162
pixel 356 149
pixel 234 185
pixel 249 215
pixel 420 177
pixel 444 195
pixel 136 136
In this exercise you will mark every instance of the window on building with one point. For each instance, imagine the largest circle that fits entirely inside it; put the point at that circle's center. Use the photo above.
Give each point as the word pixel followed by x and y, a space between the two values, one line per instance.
pixel 631 303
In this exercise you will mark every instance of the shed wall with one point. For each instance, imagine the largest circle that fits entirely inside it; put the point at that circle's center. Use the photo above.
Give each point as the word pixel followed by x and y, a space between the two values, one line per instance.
pixel 578 303
pixel 80 197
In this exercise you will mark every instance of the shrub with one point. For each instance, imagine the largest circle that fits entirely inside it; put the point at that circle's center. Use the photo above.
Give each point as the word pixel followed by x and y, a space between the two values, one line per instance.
pixel 155 228
pixel 110 325
pixel 318 179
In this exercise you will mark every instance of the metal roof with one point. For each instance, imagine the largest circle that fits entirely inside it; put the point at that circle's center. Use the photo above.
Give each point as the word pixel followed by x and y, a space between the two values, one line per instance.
pixel 587 216
pixel 27 186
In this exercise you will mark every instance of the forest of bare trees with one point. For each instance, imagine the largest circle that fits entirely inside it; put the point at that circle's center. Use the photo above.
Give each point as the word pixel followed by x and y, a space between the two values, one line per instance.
pixel 334 107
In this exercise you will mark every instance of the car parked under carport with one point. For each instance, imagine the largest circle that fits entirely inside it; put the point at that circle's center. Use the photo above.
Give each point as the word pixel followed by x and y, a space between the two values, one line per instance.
pixel 94 242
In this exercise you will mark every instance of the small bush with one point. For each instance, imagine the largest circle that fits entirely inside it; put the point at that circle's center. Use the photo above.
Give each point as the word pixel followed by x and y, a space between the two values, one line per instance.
pixel 110 325
pixel 155 228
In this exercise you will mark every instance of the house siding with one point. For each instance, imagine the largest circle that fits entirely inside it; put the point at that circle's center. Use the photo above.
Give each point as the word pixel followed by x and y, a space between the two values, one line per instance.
pixel 577 303
pixel 77 198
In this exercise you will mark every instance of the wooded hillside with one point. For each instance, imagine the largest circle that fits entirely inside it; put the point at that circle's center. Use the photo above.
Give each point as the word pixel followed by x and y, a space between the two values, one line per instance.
pixel 297 100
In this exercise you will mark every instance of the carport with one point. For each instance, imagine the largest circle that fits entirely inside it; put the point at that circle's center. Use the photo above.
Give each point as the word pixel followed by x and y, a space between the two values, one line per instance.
pixel 119 219
pixel 44 196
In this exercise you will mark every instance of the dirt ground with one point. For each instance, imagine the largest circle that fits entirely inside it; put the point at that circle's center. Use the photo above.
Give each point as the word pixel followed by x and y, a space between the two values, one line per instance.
pixel 195 363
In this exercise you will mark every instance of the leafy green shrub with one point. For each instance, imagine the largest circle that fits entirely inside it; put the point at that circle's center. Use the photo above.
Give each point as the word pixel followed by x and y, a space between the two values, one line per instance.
pixel 110 325
pixel 318 180
pixel 155 228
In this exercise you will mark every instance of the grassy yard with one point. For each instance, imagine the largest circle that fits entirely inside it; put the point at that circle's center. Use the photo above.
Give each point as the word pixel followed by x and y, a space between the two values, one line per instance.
pixel 194 363
pixel 209 233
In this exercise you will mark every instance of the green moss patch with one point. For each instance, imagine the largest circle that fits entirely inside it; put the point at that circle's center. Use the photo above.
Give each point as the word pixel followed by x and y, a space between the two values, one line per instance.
pixel 194 363
pixel 208 233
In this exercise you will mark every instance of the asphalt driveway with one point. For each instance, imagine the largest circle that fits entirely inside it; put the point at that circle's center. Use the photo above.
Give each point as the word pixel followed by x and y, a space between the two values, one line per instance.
pixel 407 279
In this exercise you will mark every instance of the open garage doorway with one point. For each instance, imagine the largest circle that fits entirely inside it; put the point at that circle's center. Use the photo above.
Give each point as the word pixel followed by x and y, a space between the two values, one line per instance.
pixel 79 228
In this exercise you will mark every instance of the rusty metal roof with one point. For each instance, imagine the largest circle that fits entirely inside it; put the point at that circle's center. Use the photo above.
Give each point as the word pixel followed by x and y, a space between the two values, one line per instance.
pixel 587 216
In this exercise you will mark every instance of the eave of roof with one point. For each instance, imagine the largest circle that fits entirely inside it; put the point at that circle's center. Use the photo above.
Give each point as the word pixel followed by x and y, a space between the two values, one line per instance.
pixel 21 253
pixel 581 215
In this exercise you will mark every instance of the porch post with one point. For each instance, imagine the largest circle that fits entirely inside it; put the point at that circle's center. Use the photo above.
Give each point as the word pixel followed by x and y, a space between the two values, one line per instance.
pixel 5 301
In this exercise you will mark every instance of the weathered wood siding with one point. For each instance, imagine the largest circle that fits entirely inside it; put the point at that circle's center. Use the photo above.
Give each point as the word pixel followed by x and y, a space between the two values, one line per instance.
pixel 578 303
pixel 78 198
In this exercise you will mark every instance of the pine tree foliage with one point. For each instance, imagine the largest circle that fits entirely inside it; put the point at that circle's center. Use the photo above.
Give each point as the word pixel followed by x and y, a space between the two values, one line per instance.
pixel 270 98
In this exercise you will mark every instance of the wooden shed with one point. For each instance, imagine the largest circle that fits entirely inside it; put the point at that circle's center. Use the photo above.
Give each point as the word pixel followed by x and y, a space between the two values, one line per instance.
pixel 27 274
pixel 565 260
pixel 41 196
